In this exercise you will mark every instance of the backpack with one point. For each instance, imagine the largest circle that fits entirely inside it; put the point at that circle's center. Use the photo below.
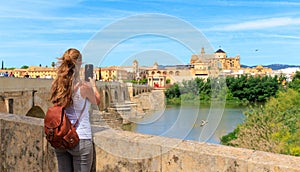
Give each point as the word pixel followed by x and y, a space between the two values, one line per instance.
pixel 60 132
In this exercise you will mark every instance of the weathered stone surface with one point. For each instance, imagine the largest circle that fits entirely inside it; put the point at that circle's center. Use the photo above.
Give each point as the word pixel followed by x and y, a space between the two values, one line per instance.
pixel 197 156
pixel 125 151
pixel 149 101
pixel 263 161
pixel 23 145
pixel 24 148
pixel 49 159
pixel 1 149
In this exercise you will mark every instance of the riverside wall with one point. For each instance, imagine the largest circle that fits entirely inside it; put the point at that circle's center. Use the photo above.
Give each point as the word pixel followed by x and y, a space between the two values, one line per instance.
pixel 24 148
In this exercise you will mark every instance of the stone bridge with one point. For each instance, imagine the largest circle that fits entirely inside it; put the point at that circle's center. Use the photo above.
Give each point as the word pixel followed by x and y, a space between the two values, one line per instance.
pixel 23 145
pixel 30 97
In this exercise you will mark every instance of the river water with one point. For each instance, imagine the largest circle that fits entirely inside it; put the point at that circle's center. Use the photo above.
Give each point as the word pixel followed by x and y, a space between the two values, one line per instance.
pixel 191 123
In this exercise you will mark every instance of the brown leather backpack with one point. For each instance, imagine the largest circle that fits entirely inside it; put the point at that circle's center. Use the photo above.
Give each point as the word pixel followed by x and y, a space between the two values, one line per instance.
pixel 60 133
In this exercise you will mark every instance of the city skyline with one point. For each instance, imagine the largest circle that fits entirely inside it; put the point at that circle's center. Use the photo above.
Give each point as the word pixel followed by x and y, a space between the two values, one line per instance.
pixel 38 31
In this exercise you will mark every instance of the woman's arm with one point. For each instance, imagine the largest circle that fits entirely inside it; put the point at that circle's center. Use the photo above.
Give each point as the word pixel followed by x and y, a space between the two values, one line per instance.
pixel 89 90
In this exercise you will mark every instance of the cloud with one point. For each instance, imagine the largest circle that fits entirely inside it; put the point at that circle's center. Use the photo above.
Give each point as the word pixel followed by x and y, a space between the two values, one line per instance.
pixel 250 3
pixel 259 24
pixel 280 36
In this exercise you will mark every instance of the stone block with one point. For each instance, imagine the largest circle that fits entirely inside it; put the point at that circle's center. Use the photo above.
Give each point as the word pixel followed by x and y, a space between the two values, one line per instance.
pixel 126 151
pixel 1 150
pixel 265 161
pixel 21 144
pixel 195 156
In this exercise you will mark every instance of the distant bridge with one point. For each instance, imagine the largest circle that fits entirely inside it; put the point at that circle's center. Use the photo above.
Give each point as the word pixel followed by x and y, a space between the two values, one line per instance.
pixel 30 97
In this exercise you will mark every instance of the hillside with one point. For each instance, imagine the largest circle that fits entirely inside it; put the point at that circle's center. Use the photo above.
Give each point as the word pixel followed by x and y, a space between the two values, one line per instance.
pixel 274 66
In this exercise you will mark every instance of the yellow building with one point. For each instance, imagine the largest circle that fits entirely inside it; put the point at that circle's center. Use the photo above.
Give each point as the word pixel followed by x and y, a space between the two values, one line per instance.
pixel 41 72
pixel 112 73
pixel 161 76
pixel 33 72
pixel 258 70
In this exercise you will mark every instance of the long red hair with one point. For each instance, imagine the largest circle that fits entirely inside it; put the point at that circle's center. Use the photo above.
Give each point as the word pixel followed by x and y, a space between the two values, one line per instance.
pixel 67 76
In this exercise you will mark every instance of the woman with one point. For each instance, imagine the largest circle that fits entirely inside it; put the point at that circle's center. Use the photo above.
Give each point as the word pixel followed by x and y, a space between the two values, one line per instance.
pixel 76 96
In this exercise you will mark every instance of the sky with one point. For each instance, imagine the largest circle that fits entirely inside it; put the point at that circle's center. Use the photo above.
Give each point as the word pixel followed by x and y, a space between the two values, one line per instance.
pixel 36 32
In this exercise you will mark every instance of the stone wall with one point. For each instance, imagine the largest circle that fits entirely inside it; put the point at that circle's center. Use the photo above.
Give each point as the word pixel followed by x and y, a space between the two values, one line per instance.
pixel 25 93
pixel 24 148
pixel 149 101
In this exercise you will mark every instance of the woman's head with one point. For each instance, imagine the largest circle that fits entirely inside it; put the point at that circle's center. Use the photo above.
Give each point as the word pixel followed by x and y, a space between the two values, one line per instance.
pixel 72 56
pixel 67 75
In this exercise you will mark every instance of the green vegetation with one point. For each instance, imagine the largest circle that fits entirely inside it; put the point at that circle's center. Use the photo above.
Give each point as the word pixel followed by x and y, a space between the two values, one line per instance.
pixel 189 92
pixel 24 67
pixel 10 68
pixel 295 84
pixel 252 89
pixel 142 81
pixel 272 127
pixel 168 81
pixel 242 90
pixel 272 123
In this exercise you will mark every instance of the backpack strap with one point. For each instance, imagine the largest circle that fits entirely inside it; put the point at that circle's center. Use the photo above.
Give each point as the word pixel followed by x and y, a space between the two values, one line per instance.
pixel 76 123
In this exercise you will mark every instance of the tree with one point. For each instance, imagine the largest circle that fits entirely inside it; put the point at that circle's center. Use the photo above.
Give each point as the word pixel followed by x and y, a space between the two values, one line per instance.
pixel 296 76
pixel 173 91
pixel 253 89
pixel 53 64
pixel 273 127
pixel 295 83
pixel 24 67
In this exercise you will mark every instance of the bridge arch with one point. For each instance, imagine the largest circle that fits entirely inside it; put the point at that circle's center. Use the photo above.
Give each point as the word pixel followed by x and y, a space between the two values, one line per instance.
pixel 106 100
pixel 124 95
pixel 116 96
pixel 36 111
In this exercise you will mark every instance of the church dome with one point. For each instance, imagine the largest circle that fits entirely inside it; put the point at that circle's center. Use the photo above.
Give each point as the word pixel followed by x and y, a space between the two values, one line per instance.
pixel 220 51
pixel 194 58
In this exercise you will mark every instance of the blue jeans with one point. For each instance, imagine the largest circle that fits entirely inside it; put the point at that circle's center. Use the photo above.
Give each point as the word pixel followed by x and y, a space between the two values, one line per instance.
pixel 78 159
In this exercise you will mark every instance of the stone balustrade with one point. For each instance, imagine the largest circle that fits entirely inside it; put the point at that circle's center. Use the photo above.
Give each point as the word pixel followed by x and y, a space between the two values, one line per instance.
pixel 24 148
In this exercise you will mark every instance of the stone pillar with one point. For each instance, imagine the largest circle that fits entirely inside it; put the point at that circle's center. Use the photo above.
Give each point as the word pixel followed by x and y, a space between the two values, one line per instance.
pixel 130 90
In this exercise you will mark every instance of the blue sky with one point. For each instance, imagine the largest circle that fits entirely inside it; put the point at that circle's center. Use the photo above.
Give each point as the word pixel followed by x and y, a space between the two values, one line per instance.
pixel 34 32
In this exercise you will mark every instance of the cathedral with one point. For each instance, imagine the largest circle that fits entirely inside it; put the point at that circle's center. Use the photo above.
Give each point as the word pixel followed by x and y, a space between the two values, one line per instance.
pixel 209 64
pixel 201 65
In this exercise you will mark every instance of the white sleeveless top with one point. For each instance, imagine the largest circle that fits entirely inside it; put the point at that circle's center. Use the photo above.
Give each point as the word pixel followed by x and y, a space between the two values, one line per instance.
pixel 73 112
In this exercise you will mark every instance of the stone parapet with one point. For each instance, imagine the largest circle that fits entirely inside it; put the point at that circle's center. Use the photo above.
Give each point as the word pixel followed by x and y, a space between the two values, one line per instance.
pixel 23 145
pixel 24 148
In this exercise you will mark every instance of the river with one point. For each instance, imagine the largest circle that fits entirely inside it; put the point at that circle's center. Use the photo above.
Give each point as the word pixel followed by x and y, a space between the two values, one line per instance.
pixel 190 123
